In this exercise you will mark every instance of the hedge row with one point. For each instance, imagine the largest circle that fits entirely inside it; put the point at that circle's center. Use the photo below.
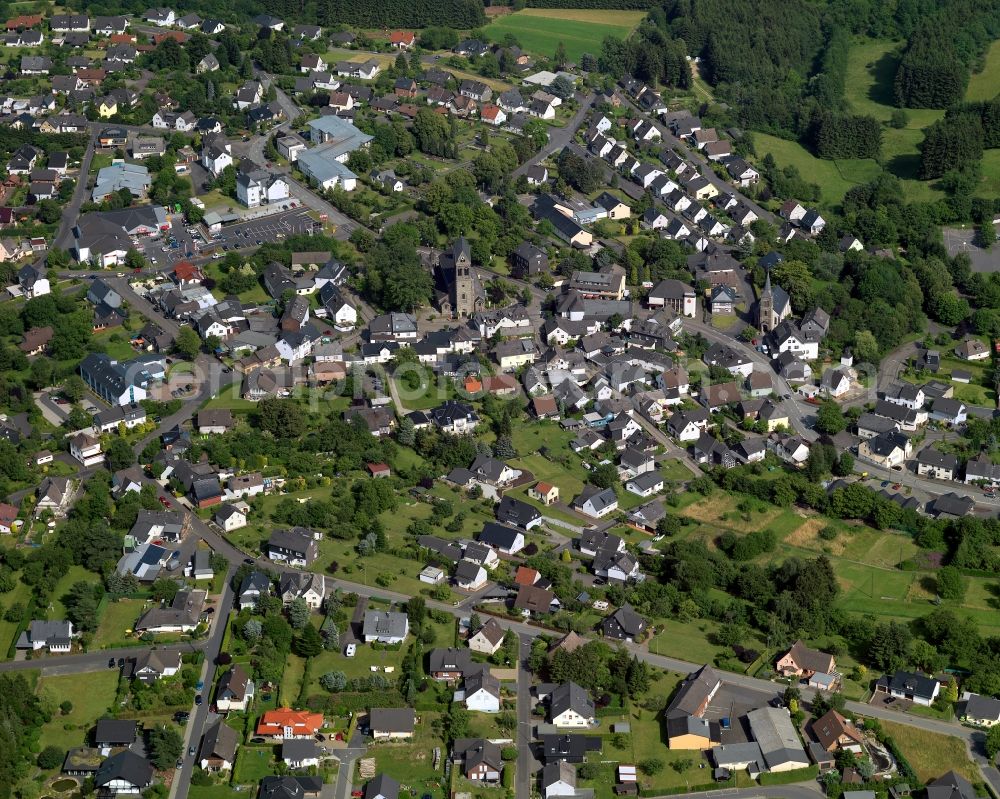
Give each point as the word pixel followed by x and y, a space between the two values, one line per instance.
pixel 788 777
pixel 616 5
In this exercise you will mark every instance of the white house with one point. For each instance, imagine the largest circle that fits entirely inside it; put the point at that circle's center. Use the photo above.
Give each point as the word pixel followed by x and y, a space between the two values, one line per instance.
pixel 259 187
pixel 481 691
pixel 86 449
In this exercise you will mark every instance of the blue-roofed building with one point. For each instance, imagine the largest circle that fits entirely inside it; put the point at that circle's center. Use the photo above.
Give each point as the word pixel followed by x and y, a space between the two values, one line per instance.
pixel 325 170
pixel 144 562
pixel 338 134
pixel 111 179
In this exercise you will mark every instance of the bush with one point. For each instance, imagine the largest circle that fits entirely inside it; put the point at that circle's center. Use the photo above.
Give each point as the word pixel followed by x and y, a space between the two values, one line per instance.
pixel 51 757
pixel 651 766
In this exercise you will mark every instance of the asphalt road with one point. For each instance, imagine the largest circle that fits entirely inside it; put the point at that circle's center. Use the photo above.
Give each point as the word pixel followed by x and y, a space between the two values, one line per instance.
pixel 559 137
pixel 198 721
pixel 71 211
pixel 527 766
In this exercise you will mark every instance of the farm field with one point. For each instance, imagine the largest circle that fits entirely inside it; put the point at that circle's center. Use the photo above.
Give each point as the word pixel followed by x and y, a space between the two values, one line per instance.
pixel 581 31
pixel 985 85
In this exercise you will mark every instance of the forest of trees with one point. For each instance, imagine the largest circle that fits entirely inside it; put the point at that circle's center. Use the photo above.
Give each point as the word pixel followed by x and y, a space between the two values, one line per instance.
pixel 391 13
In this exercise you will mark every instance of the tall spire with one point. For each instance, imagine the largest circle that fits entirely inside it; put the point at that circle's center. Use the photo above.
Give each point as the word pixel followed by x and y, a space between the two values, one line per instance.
pixel 767 281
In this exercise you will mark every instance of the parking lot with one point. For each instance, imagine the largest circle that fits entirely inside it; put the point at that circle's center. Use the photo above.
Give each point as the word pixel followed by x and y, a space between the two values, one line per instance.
pixel 255 232
pixel 958 240
pixel 734 702
pixel 161 251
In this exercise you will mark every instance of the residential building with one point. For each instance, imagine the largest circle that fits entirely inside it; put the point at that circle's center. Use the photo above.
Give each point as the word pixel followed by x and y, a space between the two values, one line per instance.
pixel 385 627
pixel 392 724
pixel 571 706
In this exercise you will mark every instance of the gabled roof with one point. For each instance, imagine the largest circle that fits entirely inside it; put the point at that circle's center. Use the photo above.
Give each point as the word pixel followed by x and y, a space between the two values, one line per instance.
pixel 570 696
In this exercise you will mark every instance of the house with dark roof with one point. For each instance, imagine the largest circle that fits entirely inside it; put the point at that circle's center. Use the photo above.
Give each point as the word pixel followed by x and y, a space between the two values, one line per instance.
pixel 916 688
pixel 218 747
pixel 623 625
pixel 571 706
pixel 392 723
pixel 124 773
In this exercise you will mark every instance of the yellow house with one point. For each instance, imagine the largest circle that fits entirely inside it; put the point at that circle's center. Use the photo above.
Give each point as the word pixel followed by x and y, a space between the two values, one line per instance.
pixel 691 732
pixel 107 108
pixel 546 493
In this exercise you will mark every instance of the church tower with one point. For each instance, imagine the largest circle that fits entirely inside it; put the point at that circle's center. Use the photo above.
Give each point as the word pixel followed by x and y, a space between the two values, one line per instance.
pixel 464 285
pixel 765 306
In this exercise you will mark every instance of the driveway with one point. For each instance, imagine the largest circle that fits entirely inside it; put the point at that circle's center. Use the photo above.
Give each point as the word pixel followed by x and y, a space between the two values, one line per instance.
pixel 559 137
pixel 356 748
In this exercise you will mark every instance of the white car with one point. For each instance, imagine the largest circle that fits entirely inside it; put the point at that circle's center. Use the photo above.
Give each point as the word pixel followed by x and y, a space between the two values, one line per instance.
pixel 351 649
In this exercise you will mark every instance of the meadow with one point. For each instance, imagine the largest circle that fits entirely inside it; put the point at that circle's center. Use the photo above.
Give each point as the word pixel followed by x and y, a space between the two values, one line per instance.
pixel 539 30
pixel 985 85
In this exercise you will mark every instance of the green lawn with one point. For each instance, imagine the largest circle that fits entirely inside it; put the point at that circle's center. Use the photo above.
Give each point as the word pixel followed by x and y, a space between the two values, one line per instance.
pixel 930 753
pixel 230 399
pixel 21 594
pixel 834 177
pixel 118 349
pixel 89 704
pixel 291 680
pixel 214 792
pixel 688 640
pixel 412 763
pixel 253 763
pixel 540 30
pixel 117 618
pixel 75 574
pixel 986 84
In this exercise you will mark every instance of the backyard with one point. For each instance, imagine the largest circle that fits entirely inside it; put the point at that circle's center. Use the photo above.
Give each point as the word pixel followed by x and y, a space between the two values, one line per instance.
pixel 72 729
pixel 932 754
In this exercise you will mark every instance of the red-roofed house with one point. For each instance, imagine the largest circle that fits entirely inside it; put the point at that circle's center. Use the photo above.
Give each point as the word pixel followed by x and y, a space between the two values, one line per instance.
pixel 492 114
pixel 177 36
pixel 525 576
pixel 379 470
pixel 502 384
pixel 546 493
pixel 402 40
pixel 472 385
pixel 24 21
pixel 286 723
pixel 8 513
pixel 187 274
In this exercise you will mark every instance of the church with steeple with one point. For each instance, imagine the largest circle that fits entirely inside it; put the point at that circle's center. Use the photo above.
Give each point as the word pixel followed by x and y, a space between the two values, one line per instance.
pixel 773 306
pixel 459 291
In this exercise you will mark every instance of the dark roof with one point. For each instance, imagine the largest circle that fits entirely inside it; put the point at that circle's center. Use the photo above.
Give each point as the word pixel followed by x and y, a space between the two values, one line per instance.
pixel 392 719
pixel 498 536
pixel 383 785
pixel 220 741
pixel 127 766
pixel 116 731
pixel 628 620
pixel 570 696
pixel 516 511
pixel 951 786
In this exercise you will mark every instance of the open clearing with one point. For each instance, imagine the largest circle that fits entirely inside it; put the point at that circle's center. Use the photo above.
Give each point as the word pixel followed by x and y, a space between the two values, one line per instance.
pixel 986 84
pixel 930 753
pixel 540 30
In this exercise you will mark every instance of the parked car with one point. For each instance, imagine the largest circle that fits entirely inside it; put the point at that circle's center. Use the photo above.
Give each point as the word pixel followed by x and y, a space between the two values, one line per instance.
pixel 351 649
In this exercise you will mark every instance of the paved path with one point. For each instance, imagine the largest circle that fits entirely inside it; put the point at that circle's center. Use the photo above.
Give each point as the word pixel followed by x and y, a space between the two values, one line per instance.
pixel 558 137
pixel 71 211
pixel 526 763
pixel 199 719
pixel 356 748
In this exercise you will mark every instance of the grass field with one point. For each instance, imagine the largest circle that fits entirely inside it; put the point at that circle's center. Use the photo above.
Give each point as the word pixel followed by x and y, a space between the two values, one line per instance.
pixel 21 594
pixel 117 618
pixel 88 706
pixel 930 753
pixel 986 84
pixel 540 30
pixel 412 763
pixel 870 71
pixel 834 177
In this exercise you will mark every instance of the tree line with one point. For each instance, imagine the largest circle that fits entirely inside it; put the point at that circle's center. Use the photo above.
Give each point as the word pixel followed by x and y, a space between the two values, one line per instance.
pixel 393 13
